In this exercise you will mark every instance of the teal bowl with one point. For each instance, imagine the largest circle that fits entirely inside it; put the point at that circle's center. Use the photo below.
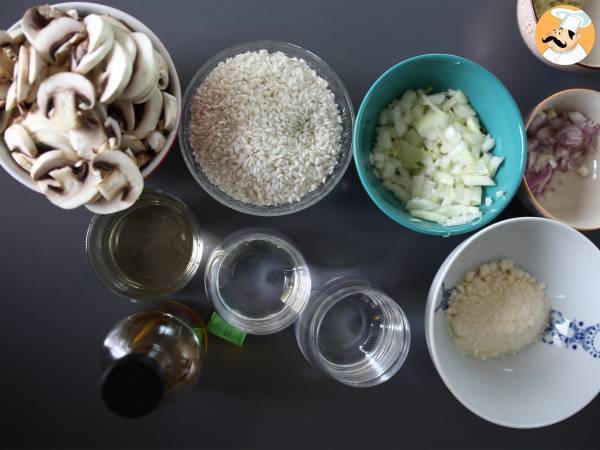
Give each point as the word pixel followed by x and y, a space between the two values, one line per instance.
pixel 497 112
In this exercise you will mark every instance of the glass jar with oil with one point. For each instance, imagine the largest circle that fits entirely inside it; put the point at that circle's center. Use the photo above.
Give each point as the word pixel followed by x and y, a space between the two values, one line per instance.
pixel 151 357
pixel 146 252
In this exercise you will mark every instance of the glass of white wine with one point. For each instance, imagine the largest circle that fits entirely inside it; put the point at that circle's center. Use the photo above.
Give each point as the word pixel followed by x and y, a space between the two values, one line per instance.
pixel 148 251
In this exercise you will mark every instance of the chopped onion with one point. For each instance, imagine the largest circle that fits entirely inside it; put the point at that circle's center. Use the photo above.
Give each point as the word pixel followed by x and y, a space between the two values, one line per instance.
pixel 431 153
pixel 559 141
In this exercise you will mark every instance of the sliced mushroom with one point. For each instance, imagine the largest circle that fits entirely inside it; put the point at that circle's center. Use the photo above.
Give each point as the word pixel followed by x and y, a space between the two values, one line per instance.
pixel 3 92
pixel 5 118
pixel 17 35
pixel 114 78
pixel 122 111
pixel 66 92
pixel 145 71
pixel 143 158
pixel 116 23
pixel 89 53
pixel 168 119
pixel 89 137
pixel 22 75
pixel 52 160
pixel 113 131
pixel 11 97
pixel 156 141
pixel 121 184
pixel 132 143
pixel 17 139
pixel 37 66
pixel 163 71
pixel 72 13
pixel 151 113
pixel 48 139
pixel 76 185
pixel 51 32
pixel 7 66
pixel 24 161
pixel 35 120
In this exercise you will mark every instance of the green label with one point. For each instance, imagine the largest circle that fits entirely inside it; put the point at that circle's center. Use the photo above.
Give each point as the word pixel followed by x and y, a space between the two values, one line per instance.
pixel 222 329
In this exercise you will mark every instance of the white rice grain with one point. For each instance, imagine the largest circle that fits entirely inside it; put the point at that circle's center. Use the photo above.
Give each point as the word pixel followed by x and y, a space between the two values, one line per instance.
pixel 265 128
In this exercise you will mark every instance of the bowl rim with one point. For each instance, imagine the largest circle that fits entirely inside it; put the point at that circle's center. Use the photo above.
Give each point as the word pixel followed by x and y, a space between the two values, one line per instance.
pixel 531 197
pixel 430 316
pixel 387 209
pixel 187 150
pixel 176 90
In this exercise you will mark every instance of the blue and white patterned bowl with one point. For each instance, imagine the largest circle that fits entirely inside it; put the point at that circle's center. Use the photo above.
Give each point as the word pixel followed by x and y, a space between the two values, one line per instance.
pixel 553 379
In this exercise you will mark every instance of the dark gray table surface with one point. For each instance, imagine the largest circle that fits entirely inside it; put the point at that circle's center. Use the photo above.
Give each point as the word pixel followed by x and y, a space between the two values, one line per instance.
pixel 55 314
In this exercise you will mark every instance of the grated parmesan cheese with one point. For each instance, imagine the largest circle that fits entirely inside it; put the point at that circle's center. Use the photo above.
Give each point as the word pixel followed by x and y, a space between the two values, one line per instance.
pixel 498 310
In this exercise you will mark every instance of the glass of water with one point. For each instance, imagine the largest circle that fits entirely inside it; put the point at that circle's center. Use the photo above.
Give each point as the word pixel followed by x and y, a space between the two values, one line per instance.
pixel 258 281
pixel 353 332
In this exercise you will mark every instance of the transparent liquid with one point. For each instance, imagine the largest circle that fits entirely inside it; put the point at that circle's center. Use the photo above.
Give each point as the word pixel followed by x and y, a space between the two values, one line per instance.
pixel 351 329
pixel 151 247
pixel 257 278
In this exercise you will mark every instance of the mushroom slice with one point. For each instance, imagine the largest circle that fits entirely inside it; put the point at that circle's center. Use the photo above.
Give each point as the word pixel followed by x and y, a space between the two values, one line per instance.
pixel 17 35
pixel 22 75
pixel 117 24
pixel 156 141
pixel 143 158
pixel 72 13
pixel 3 93
pixel 37 66
pixel 117 73
pixel 48 139
pixel 168 120
pixel 113 131
pixel 35 121
pixel 7 66
pixel 88 139
pixel 163 71
pixel 145 71
pixel 76 185
pixel 132 143
pixel 17 139
pixel 51 32
pixel 122 111
pixel 11 97
pixel 151 113
pixel 52 160
pixel 66 92
pixel 24 161
pixel 121 184
pixel 88 54
pixel 5 118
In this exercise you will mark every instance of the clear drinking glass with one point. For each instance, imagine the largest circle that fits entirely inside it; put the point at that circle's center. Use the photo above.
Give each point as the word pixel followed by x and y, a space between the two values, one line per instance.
pixel 258 281
pixel 151 357
pixel 353 332
pixel 148 251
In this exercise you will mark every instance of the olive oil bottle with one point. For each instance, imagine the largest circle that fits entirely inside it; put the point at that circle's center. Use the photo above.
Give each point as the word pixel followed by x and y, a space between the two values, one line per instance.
pixel 151 357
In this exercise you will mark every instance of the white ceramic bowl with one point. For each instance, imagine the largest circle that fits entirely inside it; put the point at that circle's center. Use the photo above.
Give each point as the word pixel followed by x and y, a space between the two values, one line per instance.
pixel 551 380
pixel 527 20
pixel 174 89
pixel 576 203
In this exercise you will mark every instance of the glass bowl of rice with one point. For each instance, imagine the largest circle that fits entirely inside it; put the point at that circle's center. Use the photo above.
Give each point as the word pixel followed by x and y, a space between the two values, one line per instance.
pixel 263 143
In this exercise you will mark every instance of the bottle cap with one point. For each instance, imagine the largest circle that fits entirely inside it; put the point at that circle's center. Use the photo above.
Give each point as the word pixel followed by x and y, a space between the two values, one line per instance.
pixel 133 386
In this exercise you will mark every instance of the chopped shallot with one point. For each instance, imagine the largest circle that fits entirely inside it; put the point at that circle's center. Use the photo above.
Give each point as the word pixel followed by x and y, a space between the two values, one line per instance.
pixel 559 141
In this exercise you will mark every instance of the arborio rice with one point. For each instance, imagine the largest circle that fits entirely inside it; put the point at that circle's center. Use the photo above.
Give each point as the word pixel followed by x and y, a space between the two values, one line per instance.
pixel 265 128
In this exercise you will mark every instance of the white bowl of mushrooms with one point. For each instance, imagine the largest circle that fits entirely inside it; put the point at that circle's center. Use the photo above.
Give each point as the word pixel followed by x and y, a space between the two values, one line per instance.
pixel 89 104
